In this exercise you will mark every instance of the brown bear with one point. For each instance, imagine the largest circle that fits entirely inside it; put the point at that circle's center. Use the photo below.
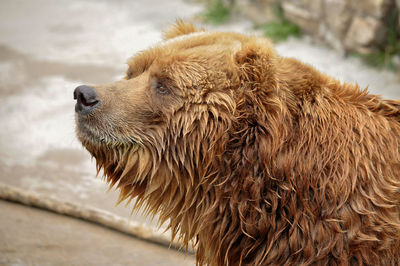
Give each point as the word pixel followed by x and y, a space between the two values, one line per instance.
pixel 260 159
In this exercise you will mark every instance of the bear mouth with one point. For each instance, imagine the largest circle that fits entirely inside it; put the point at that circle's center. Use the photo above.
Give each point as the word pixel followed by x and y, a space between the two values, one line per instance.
pixel 90 135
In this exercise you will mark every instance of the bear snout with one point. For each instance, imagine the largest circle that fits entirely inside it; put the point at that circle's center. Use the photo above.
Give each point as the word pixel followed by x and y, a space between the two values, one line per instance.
pixel 86 99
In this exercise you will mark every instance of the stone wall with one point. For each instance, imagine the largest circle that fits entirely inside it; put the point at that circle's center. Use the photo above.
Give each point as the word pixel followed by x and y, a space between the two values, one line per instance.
pixel 358 25
pixel 346 25
pixel 260 11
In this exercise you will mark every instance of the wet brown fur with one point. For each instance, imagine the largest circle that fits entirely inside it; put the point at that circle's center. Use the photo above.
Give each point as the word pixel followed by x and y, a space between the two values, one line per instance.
pixel 260 159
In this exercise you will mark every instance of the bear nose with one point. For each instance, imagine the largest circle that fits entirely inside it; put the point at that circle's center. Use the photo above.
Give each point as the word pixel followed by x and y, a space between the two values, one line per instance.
pixel 87 99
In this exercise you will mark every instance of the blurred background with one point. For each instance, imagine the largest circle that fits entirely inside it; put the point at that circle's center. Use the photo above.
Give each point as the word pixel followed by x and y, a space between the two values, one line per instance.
pixel 47 48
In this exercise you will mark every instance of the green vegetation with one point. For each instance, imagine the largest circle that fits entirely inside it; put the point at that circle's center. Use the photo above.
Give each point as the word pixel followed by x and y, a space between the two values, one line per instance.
pixel 217 12
pixel 280 29
pixel 384 58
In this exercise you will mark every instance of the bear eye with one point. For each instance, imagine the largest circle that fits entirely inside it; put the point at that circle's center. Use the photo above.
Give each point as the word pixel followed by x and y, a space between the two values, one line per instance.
pixel 161 89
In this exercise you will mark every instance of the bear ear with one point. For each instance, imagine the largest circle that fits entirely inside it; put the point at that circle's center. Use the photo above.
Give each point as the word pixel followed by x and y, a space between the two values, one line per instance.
pixel 180 28
pixel 256 61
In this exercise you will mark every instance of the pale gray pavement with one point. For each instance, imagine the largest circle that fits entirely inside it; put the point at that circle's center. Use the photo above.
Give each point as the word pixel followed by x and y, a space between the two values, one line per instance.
pixel 31 236
pixel 47 48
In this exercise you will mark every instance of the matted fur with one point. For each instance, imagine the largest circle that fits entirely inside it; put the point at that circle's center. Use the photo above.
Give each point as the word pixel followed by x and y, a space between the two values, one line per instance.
pixel 260 159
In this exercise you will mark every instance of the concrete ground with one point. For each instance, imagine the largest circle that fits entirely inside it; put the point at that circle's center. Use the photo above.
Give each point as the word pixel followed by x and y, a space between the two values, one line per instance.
pixel 31 236
pixel 47 48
